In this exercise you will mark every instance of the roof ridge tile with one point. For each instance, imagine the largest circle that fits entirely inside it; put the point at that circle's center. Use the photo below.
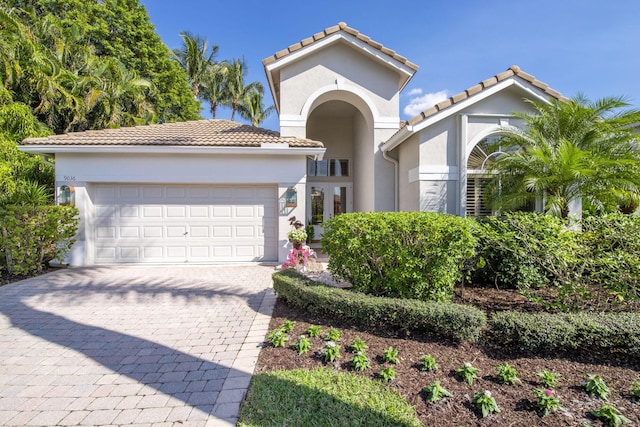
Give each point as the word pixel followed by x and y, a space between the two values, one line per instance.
pixel 513 71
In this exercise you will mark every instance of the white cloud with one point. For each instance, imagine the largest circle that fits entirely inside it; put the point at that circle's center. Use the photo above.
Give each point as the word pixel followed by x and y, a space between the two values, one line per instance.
pixel 413 92
pixel 420 103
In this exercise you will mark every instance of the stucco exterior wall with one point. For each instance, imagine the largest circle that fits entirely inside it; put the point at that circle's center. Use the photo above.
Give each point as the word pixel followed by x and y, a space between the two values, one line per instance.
pixel 335 65
pixel 444 147
pixel 82 170
pixel 408 182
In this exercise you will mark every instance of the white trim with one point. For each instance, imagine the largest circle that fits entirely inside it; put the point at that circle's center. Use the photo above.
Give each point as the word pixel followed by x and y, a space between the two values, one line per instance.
pixel 493 130
pixel 295 121
pixel 396 140
pixel 386 123
pixel 463 123
pixel 155 149
pixel 333 38
pixel 433 173
pixel 339 86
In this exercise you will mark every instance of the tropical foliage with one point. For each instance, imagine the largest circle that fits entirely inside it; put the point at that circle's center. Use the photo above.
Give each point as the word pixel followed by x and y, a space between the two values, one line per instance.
pixel 90 64
pixel 221 83
pixel 569 150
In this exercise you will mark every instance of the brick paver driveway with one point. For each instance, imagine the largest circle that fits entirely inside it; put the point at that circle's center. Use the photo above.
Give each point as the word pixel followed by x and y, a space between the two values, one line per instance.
pixel 131 345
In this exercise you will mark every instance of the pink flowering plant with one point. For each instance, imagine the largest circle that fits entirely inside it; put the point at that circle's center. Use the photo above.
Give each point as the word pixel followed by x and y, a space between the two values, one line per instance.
pixel 297 257
pixel 547 401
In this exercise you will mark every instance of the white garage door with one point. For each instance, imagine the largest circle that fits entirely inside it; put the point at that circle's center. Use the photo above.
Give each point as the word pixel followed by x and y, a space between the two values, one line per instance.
pixel 183 223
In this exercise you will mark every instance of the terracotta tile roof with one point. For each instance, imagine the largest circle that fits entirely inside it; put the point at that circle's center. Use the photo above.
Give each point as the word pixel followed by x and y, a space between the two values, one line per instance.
pixel 342 26
pixel 512 71
pixel 209 133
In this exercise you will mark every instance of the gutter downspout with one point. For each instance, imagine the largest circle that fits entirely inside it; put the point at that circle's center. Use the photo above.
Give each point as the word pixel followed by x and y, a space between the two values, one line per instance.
pixel 396 167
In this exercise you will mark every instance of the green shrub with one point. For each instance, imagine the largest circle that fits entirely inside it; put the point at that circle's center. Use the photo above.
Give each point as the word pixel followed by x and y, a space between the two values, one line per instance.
pixel 613 260
pixel 399 254
pixel 547 333
pixel 31 236
pixel 453 321
pixel 525 250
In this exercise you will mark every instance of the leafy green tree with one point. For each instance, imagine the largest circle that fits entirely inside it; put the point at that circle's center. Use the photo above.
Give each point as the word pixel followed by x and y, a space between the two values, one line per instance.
pixel 195 58
pixel 569 150
pixel 17 168
pixel 119 29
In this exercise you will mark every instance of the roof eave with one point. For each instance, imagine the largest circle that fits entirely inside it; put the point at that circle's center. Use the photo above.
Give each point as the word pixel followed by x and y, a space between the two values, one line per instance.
pixel 268 150
pixel 272 64
pixel 451 109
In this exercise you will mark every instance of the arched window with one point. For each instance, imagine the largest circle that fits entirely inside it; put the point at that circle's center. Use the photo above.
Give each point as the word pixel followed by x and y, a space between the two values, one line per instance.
pixel 478 176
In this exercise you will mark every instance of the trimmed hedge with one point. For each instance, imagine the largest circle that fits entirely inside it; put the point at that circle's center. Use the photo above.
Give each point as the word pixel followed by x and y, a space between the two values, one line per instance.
pixel 399 254
pixel 448 320
pixel 547 333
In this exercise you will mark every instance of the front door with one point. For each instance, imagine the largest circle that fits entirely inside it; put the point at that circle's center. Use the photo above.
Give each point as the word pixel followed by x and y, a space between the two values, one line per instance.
pixel 325 200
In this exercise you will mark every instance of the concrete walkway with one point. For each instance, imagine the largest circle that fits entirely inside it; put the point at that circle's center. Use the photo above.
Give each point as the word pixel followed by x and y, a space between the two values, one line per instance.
pixel 148 346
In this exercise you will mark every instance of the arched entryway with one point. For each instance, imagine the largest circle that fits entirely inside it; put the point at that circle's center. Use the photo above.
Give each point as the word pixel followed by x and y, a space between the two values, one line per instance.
pixel 339 183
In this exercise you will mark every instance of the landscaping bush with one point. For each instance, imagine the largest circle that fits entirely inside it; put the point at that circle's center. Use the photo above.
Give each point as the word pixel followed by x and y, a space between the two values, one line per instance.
pixel 613 260
pixel 525 250
pixel 31 236
pixel 448 320
pixel 399 254
pixel 546 333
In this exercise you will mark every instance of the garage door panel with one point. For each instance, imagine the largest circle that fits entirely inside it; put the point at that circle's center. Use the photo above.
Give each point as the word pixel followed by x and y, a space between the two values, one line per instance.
pixel 182 223
pixel 179 232
pixel 202 252
pixel 245 212
pixel 151 232
pixel 106 232
pixel 177 212
pixel 129 192
pixel 221 212
pixel 153 252
pixel 151 192
pixel 198 211
pixel 175 192
pixel 152 211
pixel 106 211
pixel 245 231
pixel 129 232
pixel 199 231
pixel 130 252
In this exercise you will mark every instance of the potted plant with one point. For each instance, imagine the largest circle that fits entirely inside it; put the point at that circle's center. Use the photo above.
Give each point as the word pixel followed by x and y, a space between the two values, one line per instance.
pixel 297 236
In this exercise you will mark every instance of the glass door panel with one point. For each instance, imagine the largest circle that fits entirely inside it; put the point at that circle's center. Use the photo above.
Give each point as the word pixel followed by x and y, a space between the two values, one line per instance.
pixel 317 205
pixel 326 200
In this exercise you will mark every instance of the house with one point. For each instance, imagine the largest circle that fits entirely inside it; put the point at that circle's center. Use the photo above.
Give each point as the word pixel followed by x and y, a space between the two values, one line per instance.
pixel 215 190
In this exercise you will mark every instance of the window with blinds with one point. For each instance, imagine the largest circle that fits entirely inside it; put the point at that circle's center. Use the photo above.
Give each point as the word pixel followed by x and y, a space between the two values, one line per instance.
pixel 476 205
pixel 477 178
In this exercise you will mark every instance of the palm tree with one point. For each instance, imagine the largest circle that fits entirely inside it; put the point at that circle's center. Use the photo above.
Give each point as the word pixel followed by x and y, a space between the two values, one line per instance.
pixel 569 150
pixel 236 91
pixel 121 100
pixel 252 108
pixel 194 58
pixel 213 85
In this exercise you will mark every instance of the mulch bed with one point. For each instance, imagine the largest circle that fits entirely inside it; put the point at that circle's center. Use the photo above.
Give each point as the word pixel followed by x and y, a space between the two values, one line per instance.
pixel 516 403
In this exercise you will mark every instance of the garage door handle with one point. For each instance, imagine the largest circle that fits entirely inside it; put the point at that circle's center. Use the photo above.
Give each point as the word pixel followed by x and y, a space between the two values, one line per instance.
pixel 185 233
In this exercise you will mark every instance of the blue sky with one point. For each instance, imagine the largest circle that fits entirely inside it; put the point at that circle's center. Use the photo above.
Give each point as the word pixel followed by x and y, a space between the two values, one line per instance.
pixel 575 46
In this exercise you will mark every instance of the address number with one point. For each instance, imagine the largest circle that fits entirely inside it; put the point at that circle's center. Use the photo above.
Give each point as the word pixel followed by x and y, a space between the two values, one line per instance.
pixel 69 178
